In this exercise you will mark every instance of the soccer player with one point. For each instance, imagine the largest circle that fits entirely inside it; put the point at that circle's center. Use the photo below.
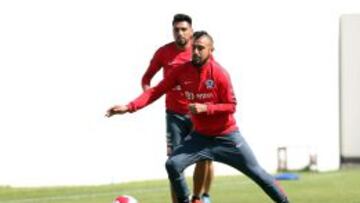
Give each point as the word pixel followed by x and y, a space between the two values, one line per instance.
pixel 178 123
pixel 216 136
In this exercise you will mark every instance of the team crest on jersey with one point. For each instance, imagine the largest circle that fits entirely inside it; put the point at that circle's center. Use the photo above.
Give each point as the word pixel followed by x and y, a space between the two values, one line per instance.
pixel 209 84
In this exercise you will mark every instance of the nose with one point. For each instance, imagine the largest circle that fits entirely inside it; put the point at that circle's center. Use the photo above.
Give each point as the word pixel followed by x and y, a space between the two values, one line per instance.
pixel 179 33
pixel 195 51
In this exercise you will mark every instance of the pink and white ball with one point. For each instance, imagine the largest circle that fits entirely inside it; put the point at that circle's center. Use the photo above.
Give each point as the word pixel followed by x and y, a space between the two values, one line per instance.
pixel 125 199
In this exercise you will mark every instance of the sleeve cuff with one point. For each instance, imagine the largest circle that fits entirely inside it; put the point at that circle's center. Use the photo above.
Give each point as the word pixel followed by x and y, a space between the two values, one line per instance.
pixel 131 107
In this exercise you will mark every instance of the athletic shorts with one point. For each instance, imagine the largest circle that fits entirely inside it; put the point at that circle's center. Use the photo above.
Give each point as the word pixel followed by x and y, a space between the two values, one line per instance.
pixel 178 126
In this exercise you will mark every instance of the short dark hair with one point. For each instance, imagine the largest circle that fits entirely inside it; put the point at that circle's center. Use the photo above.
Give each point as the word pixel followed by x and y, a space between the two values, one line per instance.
pixel 180 17
pixel 202 33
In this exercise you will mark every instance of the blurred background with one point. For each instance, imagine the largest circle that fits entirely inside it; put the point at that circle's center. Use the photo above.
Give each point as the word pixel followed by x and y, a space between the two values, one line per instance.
pixel 295 67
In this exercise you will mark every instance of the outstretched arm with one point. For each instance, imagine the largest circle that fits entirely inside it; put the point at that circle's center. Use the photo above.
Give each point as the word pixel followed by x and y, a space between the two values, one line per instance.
pixel 146 98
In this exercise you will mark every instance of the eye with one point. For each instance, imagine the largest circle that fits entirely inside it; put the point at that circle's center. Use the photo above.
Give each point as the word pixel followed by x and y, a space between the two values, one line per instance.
pixel 178 29
pixel 198 47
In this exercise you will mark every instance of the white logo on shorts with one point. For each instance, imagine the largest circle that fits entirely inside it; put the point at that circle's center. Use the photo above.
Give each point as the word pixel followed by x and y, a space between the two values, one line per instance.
pixel 187 138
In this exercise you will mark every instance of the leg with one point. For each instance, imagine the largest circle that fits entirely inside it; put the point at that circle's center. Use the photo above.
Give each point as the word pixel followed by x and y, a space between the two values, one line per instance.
pixel 177 127
pixel 234 151
pixel 199 178
pixel 190 152
pixel 208 180
pixel 203 175
pixel 173 195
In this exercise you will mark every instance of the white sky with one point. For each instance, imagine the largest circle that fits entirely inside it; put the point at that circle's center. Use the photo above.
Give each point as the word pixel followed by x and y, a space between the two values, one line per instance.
pixel 63 63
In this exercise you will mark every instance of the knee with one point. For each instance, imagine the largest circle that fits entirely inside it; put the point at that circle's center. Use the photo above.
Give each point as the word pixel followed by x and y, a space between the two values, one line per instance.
pixel 171 165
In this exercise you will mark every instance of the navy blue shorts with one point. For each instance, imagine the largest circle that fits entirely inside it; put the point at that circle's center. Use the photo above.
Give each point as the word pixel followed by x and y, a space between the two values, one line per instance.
pixel 178 126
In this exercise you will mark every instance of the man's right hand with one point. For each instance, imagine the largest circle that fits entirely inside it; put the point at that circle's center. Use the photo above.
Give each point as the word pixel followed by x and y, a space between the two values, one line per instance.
pixel 117 109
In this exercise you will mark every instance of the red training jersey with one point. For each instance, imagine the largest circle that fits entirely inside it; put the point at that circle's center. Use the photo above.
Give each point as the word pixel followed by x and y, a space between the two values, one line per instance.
pixel 210 85
pixel 169 57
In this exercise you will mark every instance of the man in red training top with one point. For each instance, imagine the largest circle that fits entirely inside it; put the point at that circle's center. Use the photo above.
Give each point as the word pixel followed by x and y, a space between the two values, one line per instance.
pixel 178 123
pixel 216 136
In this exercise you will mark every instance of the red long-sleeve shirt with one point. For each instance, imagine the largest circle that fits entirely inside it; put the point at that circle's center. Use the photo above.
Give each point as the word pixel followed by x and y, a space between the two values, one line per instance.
pixel 209 85
pixel 169 57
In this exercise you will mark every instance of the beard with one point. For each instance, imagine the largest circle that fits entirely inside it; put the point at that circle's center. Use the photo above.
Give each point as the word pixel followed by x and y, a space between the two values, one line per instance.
pixel 196 61
pixel 181 42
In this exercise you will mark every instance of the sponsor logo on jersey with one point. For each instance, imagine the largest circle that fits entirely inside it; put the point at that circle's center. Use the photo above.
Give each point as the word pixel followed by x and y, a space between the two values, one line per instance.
pixel 199 96
pixel 204 95
pixel 189 95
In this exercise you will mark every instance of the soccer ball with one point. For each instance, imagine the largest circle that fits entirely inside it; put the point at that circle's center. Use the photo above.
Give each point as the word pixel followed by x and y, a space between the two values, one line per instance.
pixel 125 199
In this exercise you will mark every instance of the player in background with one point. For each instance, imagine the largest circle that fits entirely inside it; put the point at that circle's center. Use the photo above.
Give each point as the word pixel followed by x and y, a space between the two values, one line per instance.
pixel 212 103
pixel 178 123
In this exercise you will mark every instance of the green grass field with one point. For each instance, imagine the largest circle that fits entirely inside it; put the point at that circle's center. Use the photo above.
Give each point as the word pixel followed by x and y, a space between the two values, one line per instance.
pixel 332 187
